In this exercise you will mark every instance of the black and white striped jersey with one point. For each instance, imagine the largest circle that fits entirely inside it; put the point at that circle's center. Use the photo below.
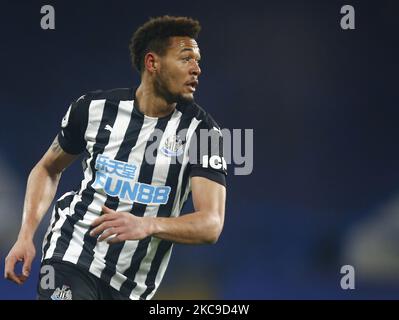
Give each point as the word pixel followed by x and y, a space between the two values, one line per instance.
pixel 132 163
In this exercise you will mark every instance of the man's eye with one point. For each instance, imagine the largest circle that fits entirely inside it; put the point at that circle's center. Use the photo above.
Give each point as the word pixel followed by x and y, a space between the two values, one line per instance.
pixel 188 59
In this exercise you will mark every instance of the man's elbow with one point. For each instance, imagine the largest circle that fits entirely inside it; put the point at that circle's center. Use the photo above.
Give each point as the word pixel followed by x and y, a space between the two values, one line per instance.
pixel 214 231
pixel 41 169
pixel 212 239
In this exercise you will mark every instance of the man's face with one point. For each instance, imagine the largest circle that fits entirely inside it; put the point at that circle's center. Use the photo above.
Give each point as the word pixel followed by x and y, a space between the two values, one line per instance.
pixel 179 70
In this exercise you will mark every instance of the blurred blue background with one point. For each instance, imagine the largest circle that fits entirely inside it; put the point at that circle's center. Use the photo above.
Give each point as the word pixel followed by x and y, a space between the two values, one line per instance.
pixel 323 103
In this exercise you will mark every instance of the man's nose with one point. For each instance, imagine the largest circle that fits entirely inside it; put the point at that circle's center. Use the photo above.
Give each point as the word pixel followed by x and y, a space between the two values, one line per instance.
pixel 196 70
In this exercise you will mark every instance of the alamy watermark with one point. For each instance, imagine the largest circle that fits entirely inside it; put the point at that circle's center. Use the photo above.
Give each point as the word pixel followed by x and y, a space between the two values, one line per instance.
pixel 47 279
pixel 214 148
pixel 47 22
pixel 348 280
pixel 348 20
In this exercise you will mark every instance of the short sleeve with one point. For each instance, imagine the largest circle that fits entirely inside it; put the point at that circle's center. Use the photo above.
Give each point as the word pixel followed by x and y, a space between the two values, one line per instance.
pixel 207 145
pixel 73 126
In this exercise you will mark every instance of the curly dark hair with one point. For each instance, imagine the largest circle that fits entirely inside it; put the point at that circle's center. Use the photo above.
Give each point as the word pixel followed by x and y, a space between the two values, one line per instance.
pixel 154 36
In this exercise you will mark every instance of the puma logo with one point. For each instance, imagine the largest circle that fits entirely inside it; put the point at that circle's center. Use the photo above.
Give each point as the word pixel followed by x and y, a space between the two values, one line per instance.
pixel 108 127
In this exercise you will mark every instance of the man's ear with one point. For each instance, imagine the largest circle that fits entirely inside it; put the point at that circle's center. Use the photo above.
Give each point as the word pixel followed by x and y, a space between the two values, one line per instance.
pixel 151 62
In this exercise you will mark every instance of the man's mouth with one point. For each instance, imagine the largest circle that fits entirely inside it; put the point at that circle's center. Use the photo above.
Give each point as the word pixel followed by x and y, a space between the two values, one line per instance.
pixel 192 85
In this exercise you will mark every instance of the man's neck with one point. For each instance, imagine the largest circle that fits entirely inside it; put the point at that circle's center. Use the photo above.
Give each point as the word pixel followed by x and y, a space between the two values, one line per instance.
pixel 151 104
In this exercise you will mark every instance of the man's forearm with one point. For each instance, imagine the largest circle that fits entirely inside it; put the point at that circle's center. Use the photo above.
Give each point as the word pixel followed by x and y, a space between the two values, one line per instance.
pixel 194 228
pixel 40 192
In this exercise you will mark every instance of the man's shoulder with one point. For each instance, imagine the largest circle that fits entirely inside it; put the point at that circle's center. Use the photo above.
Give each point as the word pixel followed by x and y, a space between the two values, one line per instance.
pixel 120 94
pixel 207 121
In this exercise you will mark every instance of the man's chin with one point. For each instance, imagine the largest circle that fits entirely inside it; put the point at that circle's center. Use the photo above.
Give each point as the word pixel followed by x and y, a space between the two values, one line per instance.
pixel 185 98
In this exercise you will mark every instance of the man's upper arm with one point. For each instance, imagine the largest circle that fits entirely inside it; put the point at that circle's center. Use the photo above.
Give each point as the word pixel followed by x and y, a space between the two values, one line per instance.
pixel 208 148
pixel 55 160
pixel 73 126
pixel 209 196
pixel 70 141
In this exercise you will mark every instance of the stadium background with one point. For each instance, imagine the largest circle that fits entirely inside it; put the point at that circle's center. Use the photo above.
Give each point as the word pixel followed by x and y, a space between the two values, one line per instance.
pixel 323 103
